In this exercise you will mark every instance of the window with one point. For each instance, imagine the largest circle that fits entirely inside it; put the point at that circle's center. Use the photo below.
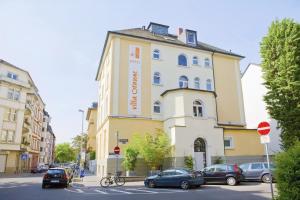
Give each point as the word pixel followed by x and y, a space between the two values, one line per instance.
pixel 221 168
pixel 41 149
pixel 156 78
pixel 7 136
pixel 42 139
pixel 272 166
pixel 10 114
pixel 256 166
pixel 13 94
pixel 228 142
pixel 197 83
pixel 197 109
pixel 244 167
pixel 209 169
pixel 156 54
pixel 156 107
pixel 12 75
pixel 183 82
pixel 206 62
pixel 195 60
pixel 191 37
pixel 208 85
pixel 182 60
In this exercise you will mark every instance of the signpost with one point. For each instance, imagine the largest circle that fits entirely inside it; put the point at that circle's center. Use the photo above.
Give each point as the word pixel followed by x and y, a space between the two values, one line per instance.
pixel 264 129
pixel 117 150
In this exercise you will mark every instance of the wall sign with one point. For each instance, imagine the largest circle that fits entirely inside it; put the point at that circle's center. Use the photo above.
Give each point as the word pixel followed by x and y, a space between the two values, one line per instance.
pixel 134 80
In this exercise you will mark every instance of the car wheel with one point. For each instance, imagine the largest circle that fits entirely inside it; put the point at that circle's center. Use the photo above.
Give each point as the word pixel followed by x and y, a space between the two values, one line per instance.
pixel 231 181
pixel 184 185
pixel 151 184
pixel 265 178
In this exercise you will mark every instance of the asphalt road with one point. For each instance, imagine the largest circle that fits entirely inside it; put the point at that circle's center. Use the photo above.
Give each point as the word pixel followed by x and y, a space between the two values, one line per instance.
pixel 29 188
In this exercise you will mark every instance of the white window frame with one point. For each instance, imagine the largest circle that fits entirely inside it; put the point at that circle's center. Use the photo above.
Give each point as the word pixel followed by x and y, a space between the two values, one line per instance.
pixel 209 84
pixel 195 58
pixel 231 141
pixel 12 75
pixel 185 83
pixel 13 94
pixel 194 38
pixel 197 110
pixel 156 52
pixel 187 63
pixel 197 81
pixel 157 75
pixel 207 62
pixel 157 104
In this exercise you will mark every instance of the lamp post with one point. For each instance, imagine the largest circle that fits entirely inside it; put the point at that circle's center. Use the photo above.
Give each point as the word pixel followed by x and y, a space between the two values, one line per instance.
pixel 82 141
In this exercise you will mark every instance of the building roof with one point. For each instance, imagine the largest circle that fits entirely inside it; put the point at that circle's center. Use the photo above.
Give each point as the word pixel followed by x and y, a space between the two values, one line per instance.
pixel 142 33
pixel 250 64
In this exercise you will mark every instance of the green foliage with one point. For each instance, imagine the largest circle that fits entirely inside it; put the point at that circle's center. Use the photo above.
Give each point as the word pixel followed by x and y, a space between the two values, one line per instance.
pixel 280 52
pixel 92 155
pixel 79 140
pixel 189 162
pixel 130 159
pixel 218 160
pixel 287 173
pixel 154 148
pixel 64 153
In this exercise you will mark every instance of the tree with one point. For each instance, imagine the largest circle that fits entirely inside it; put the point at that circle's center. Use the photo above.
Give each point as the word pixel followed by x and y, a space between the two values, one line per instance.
pixel 64 153
pixel 154 148
pixel 130 158
pixel 79 140
pixel 287 173
pixel 280 52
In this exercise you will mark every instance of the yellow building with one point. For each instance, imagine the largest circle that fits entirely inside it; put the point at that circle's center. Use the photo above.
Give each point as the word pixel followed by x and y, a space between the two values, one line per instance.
pixel 149 79
pixel 91 117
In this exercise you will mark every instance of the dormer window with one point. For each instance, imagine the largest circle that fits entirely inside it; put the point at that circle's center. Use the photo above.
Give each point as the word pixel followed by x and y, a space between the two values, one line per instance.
pixel 191 37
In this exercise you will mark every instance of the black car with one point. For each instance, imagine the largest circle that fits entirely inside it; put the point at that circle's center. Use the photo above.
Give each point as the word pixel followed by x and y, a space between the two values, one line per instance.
pixel 222 173
pixel 56 176
pixel 182 178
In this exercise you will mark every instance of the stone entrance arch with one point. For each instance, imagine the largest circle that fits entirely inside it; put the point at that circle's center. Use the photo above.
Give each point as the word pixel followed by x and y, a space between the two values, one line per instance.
pixel 199 153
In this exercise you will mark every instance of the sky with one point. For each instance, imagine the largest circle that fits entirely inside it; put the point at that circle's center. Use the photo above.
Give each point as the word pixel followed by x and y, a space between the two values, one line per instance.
pixel 59 42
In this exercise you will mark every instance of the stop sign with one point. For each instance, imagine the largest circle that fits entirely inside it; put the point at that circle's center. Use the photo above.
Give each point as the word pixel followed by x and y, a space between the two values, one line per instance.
pixel 263 128
pixel 117 150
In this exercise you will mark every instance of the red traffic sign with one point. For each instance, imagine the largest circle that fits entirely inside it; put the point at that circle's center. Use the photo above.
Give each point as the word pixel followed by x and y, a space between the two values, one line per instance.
pixel 263 128
pixel 117 150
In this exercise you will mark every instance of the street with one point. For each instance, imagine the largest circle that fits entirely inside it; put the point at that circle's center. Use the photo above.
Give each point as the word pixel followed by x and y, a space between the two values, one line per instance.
pixel 24 188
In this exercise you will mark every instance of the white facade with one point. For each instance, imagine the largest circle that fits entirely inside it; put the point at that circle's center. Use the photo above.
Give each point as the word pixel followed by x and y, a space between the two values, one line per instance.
pixel 255 107
pixel 47 142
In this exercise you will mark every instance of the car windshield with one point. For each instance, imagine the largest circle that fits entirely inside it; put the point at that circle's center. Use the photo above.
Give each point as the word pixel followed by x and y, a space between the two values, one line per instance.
pixel 55 171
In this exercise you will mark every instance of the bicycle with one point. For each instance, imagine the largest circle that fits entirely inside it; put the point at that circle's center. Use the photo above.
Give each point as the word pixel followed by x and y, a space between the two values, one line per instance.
pixel 109 180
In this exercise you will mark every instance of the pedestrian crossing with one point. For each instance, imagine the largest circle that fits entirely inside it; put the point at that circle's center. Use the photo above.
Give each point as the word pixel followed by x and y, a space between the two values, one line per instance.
pixel 125 190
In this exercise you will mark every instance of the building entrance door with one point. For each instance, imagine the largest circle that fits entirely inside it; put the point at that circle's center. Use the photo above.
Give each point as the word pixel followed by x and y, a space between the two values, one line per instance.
pixel 199 154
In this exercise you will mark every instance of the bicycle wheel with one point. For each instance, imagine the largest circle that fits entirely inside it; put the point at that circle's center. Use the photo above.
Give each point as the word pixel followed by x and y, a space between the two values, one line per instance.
pixel 119 181
pixel 105 182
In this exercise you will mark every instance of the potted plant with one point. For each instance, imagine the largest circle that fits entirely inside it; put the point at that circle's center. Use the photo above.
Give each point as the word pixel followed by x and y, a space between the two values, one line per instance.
pixel 130 159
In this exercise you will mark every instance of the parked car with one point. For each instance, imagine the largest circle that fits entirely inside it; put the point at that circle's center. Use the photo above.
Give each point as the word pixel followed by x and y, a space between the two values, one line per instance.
pixel 56 176
pixel 40 169
pixel 222 173
pixel 182 178
pixel 257 171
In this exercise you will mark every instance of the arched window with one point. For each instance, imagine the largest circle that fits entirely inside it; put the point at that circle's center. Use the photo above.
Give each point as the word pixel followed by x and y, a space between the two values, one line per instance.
pixel 156 107
pixel 182 60
pixel 197 83
pixel 195 60
pixel 183 82
pixel 156 54
pixel 208 85
pixel 156 78
pixel 199 145
pixel 197 109
pixel 206 62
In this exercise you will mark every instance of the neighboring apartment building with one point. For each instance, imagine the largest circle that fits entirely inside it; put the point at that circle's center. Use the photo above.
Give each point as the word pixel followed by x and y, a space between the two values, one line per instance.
pixel 47 142
pixel 150 79
pixel 91 117
pixel 21 115
pixel 255 107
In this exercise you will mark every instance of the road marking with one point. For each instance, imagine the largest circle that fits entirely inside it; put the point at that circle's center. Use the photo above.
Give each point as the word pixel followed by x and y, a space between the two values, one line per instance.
pixel 99 191
pixel 142 190
pixel 79 190
pixel 122 191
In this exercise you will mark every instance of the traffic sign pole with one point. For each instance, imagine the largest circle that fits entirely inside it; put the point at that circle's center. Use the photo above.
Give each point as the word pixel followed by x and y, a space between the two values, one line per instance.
pixel 268 161
pixel 117 155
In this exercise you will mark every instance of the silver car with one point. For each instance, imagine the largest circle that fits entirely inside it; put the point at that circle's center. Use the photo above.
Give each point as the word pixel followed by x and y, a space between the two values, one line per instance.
pixel 257 171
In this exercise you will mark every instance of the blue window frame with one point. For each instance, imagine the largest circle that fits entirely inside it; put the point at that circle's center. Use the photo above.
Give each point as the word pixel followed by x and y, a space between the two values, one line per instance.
pixel 191 38
pixel 182 60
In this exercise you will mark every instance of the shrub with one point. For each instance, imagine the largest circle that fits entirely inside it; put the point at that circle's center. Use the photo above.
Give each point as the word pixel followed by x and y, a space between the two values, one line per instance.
pixel 218 160
pixel 287 173
pixel 189 162
pixel 130 159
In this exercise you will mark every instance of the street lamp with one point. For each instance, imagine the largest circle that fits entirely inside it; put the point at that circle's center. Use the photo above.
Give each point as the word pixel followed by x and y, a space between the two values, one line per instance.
pixel 82 141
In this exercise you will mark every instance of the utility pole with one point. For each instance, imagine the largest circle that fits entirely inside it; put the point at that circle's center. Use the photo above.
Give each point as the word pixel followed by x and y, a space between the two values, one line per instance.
pixel 117 155
pixel 82 140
